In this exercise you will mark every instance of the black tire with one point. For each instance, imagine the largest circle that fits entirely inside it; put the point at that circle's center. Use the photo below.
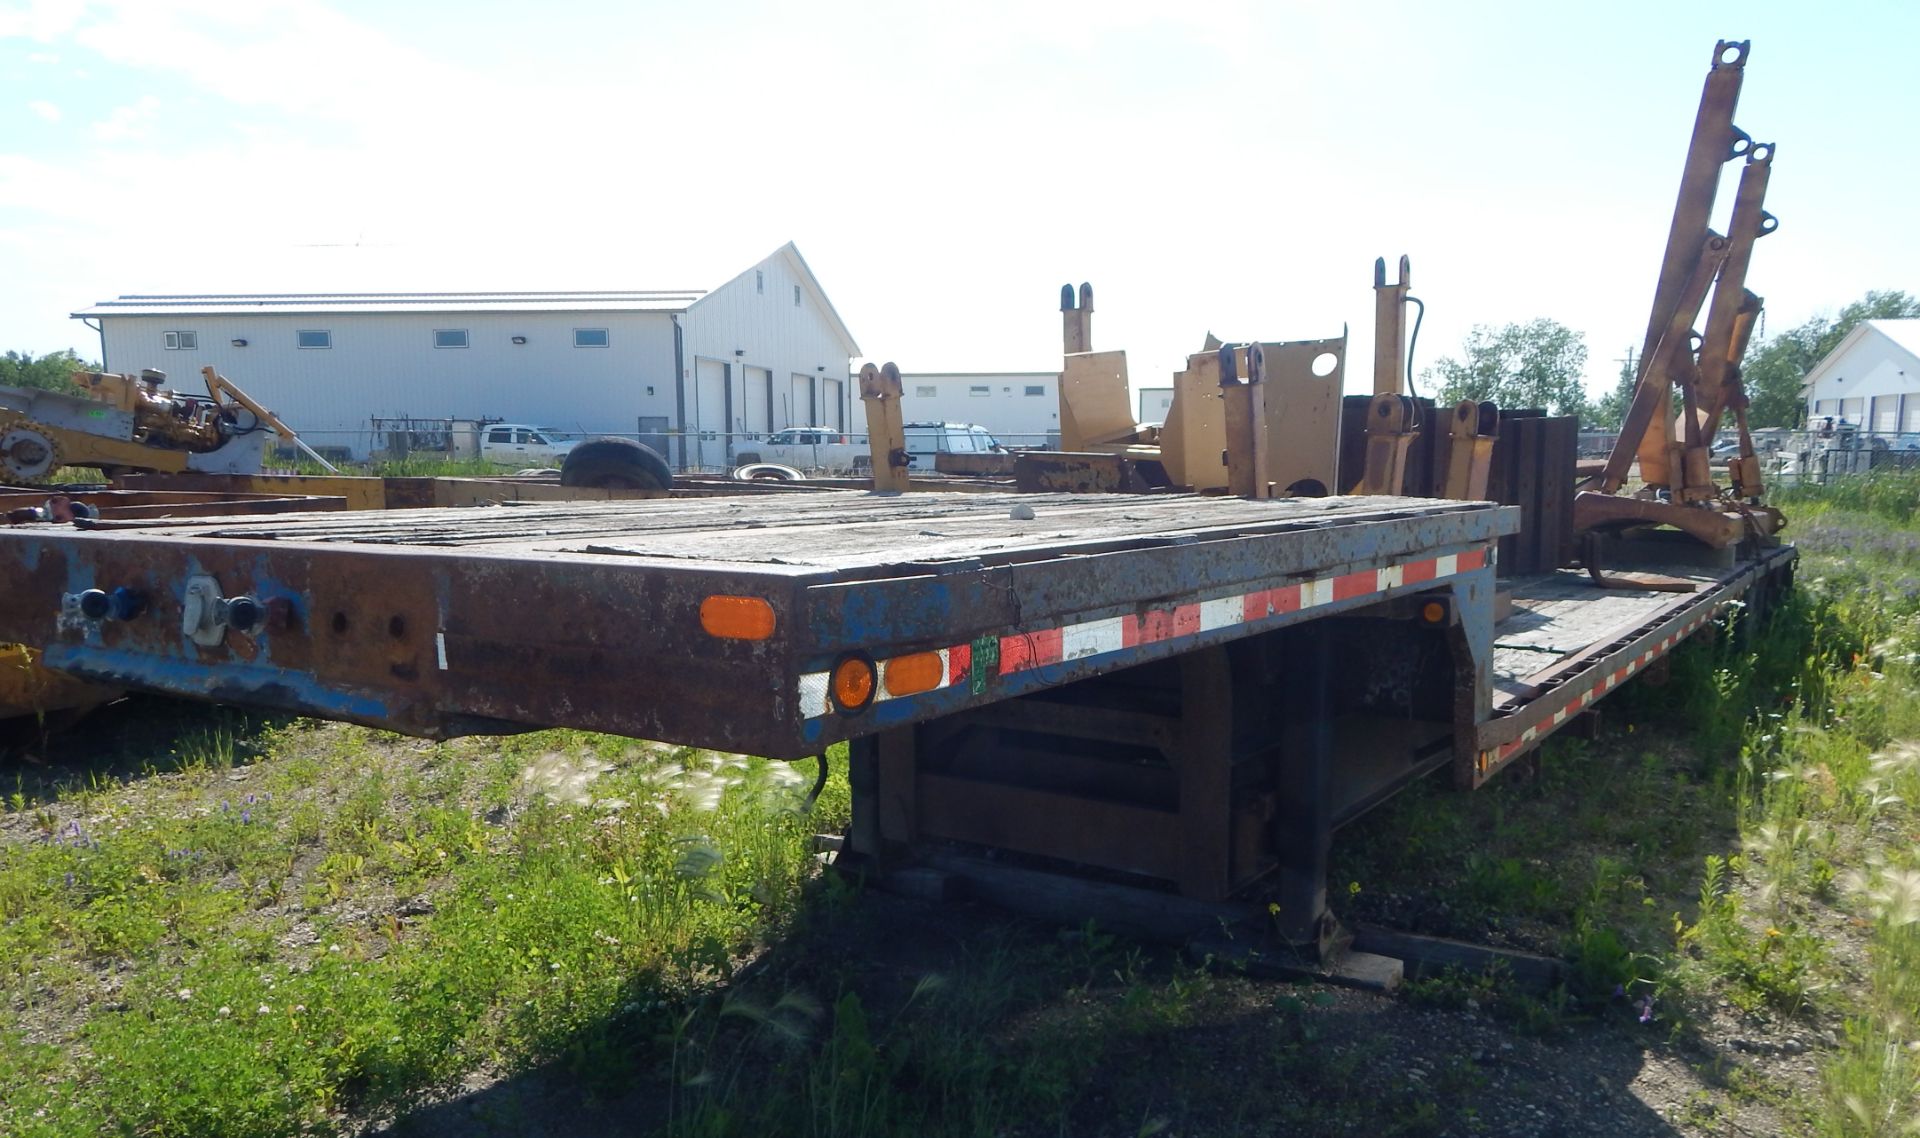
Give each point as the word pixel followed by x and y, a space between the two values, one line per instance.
pixel 615 464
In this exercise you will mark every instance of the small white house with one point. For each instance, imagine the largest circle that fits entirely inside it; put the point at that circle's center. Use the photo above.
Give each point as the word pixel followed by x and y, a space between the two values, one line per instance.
pixel 1020 408
pixel 1871 380
pixel 697 374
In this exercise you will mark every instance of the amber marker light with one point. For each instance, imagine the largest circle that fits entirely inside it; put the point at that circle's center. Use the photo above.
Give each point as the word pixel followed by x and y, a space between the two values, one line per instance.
pixel 1433 612
pixel 853 684
pixel 906 675
pixel 737 618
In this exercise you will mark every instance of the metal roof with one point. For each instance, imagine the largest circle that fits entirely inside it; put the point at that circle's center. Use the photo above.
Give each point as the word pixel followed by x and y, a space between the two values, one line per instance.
pixel 634 300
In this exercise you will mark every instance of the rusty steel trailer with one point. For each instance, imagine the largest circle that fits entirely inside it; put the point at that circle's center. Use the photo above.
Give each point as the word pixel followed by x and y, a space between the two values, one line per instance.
pixel 1183 690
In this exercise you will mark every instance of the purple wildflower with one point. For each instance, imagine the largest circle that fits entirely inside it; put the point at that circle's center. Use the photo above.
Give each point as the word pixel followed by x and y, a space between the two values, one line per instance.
pixel 69 880
pixel 246 816
pixel 1646 1009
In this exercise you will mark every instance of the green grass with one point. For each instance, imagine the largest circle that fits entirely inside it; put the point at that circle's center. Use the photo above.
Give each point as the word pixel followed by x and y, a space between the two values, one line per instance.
pixel 143 936
pixel 1703 853
pixel 409 466
pixel 264 927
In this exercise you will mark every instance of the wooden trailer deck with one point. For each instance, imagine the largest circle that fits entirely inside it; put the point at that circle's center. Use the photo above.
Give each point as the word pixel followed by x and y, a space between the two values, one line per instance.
pixel 614 615
pixel 1568 642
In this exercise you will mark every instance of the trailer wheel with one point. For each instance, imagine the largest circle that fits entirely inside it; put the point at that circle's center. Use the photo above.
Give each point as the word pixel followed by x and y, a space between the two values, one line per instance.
pixel 615 464
pixel 766 472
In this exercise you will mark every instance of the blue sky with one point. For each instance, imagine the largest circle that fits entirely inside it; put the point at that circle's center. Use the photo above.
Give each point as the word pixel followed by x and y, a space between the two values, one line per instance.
pixel 1228 166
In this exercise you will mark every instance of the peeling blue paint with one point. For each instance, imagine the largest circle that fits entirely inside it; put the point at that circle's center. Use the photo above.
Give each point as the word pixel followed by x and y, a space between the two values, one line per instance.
pixel 238 683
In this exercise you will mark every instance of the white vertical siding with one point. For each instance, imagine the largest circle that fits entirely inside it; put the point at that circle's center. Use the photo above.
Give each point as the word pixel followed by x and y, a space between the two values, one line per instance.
pixel 998 401
pixel 759 330
pixel 385 364
pixel 1872 368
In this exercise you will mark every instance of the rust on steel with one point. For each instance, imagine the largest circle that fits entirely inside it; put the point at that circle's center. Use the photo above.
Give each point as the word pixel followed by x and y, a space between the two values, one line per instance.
pixel 1474 429
pixel 1715 142
pixel 1650 414
pixel 1249 468
pixel 1749 223
pixel 1392 425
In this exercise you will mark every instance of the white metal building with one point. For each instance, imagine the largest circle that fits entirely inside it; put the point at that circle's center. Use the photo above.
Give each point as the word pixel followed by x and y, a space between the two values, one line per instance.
pixel 763 351
pixel 1155 402
pixel 1871 380
pixel 1020 408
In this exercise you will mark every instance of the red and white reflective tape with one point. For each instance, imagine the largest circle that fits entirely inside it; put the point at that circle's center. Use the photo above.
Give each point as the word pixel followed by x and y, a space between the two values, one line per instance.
pixel 1024 651
pixel 1602 684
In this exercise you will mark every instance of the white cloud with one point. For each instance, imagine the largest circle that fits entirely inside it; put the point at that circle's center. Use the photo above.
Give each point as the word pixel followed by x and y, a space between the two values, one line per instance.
pixel 45 110
pixel 128 122
pixel 45 57
pixel 298 55
pixel 41 20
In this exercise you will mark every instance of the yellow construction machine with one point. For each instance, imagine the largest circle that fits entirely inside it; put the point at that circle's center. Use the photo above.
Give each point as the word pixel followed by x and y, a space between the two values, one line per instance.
pixel 124 423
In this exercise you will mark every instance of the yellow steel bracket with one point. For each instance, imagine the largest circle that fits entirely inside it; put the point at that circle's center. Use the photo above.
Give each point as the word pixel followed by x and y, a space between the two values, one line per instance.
pixel 886 428
pixel 1248 462
pixel 1474 428
pixel 1393 422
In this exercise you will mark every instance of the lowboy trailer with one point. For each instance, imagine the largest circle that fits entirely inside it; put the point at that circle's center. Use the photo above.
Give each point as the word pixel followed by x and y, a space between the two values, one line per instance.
pixel 1182 694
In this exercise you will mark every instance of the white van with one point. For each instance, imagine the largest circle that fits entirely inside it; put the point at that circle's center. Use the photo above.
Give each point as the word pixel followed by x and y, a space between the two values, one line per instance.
pixel 924 440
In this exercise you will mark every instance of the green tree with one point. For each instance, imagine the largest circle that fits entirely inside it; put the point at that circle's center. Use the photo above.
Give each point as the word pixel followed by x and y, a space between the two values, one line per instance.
pixel 1536 364
pixel 1610 410
pixel 51 371
pixel 1775 369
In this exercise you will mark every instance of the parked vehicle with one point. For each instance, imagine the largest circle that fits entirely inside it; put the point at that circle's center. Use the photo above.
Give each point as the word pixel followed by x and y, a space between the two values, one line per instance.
pixel 830 449
pixel 925 440
pixel 805 448
pixel 521 445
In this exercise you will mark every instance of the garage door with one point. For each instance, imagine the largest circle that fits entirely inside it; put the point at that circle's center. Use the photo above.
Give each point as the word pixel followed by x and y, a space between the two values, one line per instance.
pixel 710 413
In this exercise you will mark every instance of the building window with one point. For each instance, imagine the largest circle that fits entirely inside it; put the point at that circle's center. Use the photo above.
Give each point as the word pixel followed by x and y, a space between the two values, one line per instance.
pixel 759 281
pixel 449 337
pixel 926 391
pixel 589 337
pixel 796 296
pixel 980 389
pixel 181 341
pixel 315 339
pixel 1036 389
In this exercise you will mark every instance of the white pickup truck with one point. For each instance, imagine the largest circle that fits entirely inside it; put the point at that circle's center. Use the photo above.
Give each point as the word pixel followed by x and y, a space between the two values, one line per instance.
pixel 831 449
pixel 805 448
pixel 521 445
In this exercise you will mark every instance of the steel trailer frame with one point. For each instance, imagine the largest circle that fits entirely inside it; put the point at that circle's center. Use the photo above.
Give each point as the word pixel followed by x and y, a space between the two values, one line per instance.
pixel 1187 690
